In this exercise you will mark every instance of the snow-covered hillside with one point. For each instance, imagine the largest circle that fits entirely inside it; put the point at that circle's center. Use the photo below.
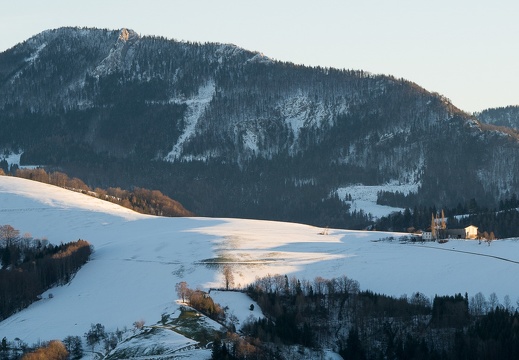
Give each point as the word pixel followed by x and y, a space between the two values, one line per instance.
pixel 138 260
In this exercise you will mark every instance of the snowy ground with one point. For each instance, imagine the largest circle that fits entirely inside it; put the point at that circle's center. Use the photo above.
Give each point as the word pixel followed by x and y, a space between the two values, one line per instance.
pixel 364 197
pixel 14 159
pixel 239 306
pixel 11 158
pixel 138 260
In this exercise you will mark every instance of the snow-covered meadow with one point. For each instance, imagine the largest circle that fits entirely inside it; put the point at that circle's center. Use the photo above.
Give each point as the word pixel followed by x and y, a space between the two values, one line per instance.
pixel 364 197
pixel 138 260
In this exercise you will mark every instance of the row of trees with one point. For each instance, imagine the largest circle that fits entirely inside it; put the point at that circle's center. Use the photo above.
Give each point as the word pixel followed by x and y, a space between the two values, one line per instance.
pixel 31 266
pixel 141 200
pixel 199 300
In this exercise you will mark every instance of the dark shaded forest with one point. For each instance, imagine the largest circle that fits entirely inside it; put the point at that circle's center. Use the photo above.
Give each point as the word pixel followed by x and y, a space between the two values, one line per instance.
pixel 228 190
pixel 31 266
pixel 501 116
pixel 364 325
pixel 502 221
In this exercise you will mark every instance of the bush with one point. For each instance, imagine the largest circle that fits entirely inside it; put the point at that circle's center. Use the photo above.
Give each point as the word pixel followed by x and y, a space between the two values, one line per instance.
pixel 55 350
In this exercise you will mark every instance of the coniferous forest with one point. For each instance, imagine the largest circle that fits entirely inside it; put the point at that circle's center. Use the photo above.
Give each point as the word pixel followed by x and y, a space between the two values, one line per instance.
pixel 501 221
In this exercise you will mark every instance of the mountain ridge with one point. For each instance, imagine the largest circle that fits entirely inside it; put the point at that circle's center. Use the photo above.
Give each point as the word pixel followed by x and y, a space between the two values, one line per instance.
pixel 221 127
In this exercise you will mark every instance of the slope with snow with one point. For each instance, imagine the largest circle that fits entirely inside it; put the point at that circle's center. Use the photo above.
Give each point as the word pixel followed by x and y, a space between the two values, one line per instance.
pixel 138 259
pixel 364 197
pixel 195 110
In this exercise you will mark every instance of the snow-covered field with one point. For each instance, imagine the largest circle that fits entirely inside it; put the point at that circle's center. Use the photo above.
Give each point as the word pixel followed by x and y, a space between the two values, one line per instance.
pixel 138 260
pixel 14 159
pixel 364 197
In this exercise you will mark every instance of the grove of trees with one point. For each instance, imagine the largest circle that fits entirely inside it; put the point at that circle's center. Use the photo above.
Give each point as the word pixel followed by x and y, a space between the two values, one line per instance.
pixel 55 350
pixel 502 220
pixel 334 313
pixel 199 300
pixel 31 266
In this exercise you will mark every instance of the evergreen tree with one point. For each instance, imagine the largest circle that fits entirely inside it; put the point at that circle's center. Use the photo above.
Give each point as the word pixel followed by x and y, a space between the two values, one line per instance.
pixel 354 349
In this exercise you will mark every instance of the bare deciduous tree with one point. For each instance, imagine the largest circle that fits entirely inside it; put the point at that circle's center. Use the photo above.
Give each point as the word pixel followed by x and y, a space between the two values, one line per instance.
pixel 8 235
pixel 182 290
pixel 228 276
pixel 139 324
pixel 493 301
pixel 478 304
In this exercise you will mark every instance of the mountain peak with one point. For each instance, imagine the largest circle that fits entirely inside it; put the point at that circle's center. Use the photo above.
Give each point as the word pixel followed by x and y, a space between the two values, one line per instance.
pixel 117 56
pixel 128 35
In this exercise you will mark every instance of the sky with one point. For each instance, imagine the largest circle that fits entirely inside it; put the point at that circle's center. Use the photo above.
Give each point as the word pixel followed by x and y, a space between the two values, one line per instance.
pixel 466 50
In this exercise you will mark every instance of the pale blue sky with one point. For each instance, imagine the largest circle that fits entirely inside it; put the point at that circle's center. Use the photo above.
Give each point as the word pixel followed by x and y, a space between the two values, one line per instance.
pixel 467 50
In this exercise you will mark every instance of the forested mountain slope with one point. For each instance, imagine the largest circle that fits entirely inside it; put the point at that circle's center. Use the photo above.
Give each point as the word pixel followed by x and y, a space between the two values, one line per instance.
pixel 229 132
pixel 504 116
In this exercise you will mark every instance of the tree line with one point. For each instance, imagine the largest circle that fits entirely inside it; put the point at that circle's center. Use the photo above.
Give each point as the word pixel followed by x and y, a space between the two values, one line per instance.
pixel 31 266
pixel 142 200
pixel 502 220
pixel 199 300
pixel 335 313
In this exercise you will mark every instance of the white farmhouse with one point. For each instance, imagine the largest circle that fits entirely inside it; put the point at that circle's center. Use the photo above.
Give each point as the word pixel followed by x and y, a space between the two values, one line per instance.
pixel 471 232
pixel 427 236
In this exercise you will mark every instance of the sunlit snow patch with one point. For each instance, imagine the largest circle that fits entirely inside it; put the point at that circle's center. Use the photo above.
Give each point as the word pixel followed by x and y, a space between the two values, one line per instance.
pixel 14 159
pixel 364 197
